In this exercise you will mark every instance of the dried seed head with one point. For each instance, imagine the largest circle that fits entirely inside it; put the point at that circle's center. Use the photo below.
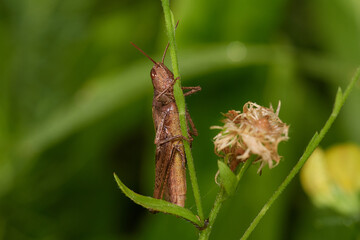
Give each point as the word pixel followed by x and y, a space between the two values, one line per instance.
pixel 258 130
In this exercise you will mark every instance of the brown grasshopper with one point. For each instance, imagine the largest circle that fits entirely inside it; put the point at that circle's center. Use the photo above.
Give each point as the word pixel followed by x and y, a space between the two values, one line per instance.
pixel 170 160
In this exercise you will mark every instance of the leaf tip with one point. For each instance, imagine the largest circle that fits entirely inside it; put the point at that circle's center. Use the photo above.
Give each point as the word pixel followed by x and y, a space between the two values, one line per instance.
pixel 338 100
pixel 118 181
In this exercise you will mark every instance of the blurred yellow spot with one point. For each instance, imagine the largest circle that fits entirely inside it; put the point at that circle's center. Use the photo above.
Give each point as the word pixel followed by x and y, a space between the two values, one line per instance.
pixel 332 178
pixel 343 163
pixel 314 177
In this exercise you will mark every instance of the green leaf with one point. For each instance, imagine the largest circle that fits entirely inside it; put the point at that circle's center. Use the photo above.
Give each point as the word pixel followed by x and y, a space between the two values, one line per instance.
pixel 228 178
pixel 158 204
pixel 338 101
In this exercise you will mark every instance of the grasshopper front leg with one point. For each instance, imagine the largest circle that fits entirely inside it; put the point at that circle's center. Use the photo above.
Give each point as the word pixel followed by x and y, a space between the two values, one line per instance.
pixel 192 90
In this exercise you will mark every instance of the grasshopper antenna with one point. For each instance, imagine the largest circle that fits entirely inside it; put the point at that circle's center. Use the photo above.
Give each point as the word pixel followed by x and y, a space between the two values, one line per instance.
pixel 163 57
pixel 167 46
pixel 143 53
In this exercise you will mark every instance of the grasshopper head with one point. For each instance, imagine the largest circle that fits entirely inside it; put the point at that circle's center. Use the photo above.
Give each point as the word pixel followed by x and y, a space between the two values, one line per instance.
pixel 162 78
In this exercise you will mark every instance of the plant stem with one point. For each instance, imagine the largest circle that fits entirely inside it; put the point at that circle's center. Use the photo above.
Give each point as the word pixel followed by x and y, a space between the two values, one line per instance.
pixel 340 100
pixel 220 198
pixel 180 102
pixel 244 168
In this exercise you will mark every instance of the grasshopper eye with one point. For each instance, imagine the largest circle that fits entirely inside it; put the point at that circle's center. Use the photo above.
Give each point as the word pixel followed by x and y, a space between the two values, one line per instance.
pixel 153 73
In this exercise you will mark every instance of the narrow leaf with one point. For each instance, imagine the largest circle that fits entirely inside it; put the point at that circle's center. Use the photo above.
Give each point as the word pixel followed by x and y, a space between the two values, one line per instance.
pixel 338 101
pixel 228 178
pixel 158 204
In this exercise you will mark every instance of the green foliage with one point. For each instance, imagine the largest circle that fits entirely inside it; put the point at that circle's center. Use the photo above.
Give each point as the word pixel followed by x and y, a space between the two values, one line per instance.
pixel 75 106
pixel 158 205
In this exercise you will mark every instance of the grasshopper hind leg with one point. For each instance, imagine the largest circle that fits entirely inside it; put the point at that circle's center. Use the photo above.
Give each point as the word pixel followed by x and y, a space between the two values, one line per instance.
pixel 170 183
pixel 176 183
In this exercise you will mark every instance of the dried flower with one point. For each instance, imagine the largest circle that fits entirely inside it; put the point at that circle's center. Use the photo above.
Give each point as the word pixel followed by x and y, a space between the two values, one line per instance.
pixel 258 130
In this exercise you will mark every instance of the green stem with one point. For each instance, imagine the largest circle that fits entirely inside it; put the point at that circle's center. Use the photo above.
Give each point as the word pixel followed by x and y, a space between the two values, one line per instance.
pixel 180 102
pixel 220 198
pixel 340 100
pixel 244 168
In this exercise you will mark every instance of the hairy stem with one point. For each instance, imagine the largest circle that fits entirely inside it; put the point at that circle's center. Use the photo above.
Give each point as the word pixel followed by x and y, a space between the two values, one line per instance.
pixel 314 142
pixel 180 102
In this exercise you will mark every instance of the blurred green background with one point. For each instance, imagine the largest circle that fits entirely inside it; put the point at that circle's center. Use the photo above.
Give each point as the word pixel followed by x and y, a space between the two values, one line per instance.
pixel 75 106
